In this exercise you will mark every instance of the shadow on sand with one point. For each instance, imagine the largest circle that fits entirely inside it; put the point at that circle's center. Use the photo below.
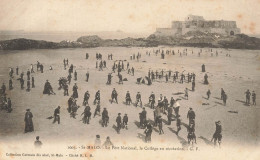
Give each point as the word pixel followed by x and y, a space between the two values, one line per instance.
pixel 244 103
pixel 208 142
pixel 141 136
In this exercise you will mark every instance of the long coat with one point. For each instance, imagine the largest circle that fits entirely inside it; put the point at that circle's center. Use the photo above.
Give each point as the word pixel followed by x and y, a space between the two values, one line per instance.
pixel 28 122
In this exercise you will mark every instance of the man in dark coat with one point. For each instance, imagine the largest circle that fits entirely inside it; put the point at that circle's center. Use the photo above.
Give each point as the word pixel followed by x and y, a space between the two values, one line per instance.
pixel 114 95
pixel 248 94
pixel 143 121
pixel 206 79
pixel 75 91
pixel 128 98
pixel 28 86
pixel 28 121
pixel 125 121
pixel 152 100
pixel 160 125
pixel 169 115
pixel 193 85
pixel 97 97
pixel 22 83
pixel 109 78
pixel 253 98
pixel 10 84
pixel 28 74
pixel 75 75
pixel 87 115
pixel 138 99
pixel 33 86
pixel 105 117
pixel 86 98
pixel 57 115
pixel 178 125
pixel 3 88
pixel 118 122
pixel 191 116
pixel 66 89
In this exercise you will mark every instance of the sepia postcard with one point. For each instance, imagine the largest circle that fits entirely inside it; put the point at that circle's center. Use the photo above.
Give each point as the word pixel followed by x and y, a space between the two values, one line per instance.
pixel 129 79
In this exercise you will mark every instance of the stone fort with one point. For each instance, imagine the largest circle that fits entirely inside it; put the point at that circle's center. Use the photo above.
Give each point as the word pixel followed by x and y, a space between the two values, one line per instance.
pixel 197 23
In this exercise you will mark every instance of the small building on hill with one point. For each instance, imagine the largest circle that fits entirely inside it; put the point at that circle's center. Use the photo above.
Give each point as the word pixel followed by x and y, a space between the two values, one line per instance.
pixel 198 23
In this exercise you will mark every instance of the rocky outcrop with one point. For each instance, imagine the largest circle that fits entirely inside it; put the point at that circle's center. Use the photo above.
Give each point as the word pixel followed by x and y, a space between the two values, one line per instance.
pixel 23 44
pixel 192 39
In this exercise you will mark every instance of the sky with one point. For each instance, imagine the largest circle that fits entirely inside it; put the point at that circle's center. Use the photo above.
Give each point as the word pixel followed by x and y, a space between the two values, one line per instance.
pixel 136 16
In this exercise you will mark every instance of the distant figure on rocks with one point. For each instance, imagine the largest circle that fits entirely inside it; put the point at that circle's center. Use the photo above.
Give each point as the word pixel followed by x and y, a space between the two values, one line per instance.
pixel 28 121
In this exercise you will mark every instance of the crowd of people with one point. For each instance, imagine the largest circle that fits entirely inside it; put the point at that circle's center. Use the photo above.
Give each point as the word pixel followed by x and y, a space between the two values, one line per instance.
pixel 170 108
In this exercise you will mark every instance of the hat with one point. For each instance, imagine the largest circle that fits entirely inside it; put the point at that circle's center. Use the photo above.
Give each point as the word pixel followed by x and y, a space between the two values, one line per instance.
pixel 97 136
pixel 27 109
pixel 119 113
pixel 125 114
